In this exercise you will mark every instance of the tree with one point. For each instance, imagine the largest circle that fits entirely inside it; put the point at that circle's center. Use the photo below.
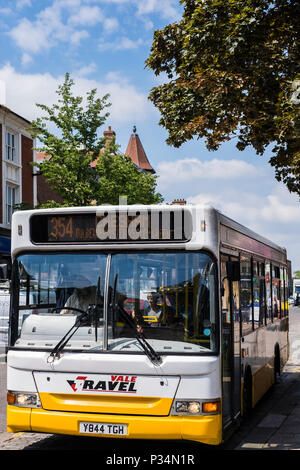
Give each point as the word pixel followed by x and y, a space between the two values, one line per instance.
pixel 297 274
pixel 234 72
pixel 73 148
pixel 118 176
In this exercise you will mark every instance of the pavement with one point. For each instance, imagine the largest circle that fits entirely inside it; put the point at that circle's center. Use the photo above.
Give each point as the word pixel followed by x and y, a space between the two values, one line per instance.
pixel 275 421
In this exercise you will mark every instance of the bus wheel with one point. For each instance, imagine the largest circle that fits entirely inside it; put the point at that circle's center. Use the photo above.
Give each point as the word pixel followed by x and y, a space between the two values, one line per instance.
pixel 247 394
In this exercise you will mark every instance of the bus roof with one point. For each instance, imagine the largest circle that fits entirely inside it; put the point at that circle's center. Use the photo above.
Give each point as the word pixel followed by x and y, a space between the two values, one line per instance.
pixel 204 212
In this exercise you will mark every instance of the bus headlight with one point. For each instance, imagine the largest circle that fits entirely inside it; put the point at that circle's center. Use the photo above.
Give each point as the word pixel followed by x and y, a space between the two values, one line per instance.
pixel 196 407
pixel 23 399
pixel 192 407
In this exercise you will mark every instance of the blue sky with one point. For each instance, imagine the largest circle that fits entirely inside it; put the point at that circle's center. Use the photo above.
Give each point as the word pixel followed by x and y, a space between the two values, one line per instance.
pixel 103 44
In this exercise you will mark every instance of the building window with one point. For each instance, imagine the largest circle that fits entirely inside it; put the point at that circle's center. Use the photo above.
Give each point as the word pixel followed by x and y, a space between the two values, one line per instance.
pixel 10 202
pixel 10 147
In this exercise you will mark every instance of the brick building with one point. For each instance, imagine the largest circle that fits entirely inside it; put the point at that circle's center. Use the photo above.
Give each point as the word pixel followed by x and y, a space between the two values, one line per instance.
pixel 134 150
pixel 17 183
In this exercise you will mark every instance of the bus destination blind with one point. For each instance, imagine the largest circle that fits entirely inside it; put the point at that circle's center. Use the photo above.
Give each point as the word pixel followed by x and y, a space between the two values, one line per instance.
pixel 149 226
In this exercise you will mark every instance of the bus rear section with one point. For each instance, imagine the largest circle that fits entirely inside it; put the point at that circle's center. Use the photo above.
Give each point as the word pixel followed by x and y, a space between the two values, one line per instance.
pixel 116 344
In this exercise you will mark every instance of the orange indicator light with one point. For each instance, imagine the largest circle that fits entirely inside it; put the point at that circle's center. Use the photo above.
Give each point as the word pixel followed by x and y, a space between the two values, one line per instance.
pixel 211 407
pixel 10 398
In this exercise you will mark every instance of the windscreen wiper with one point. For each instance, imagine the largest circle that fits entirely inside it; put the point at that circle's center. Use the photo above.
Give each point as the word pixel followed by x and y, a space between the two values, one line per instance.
pixel 80 320
pixel 149 351
pixel 91 315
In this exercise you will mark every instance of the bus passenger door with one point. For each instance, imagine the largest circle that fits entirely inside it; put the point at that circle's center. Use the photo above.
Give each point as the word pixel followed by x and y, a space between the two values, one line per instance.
pixel 231 361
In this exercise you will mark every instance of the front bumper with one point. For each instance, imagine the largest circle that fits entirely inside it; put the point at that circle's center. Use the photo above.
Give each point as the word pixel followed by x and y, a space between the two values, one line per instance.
pixel 205 429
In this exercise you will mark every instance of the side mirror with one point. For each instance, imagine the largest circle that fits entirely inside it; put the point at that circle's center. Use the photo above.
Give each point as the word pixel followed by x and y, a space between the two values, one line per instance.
pixel 233 270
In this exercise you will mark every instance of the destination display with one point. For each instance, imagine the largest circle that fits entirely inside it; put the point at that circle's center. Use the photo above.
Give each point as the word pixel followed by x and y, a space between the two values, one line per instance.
pixel 114 226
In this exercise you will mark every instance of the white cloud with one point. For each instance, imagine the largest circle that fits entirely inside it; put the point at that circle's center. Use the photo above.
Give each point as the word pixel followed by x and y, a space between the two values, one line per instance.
pixel 71 4
pixel 189 169
pixel 148 24
pixel 120 44
pixel 245 192
pixel 279 207
pixel 59 22
pixel 23 91
pixel 110 24
pixel 22 3
pixel 48 27
pixel 86 70
pixel 114 76
pixel 86 15
pixel 242 207
pixel 6 11
pixel 127 43
pixel 116 2
pixel 26 59
pixel 167 9
pixel 77 36
pixel 31 37
pixel 274 216
pixel 50 17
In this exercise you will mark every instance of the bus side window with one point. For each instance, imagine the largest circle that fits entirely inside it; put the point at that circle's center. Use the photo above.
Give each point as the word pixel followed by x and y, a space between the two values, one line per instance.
pixel 268 292
pixel 246 294
pixel 276 292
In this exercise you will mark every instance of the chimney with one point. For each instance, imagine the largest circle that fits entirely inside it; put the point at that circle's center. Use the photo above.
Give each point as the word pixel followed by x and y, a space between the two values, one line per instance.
pixel 2 93
pixel 109 134
pixel 180 202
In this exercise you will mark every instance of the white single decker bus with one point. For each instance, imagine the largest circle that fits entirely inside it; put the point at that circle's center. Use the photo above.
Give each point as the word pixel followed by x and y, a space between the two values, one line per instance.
pixel 142 322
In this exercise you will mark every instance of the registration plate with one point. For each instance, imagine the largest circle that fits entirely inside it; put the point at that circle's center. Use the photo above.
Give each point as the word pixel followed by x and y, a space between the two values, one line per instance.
pixel 107 429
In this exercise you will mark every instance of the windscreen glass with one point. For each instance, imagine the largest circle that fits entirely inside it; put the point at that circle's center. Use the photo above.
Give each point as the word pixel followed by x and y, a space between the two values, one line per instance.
pixel 170 298
pixel 50 291
pixel 167 297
